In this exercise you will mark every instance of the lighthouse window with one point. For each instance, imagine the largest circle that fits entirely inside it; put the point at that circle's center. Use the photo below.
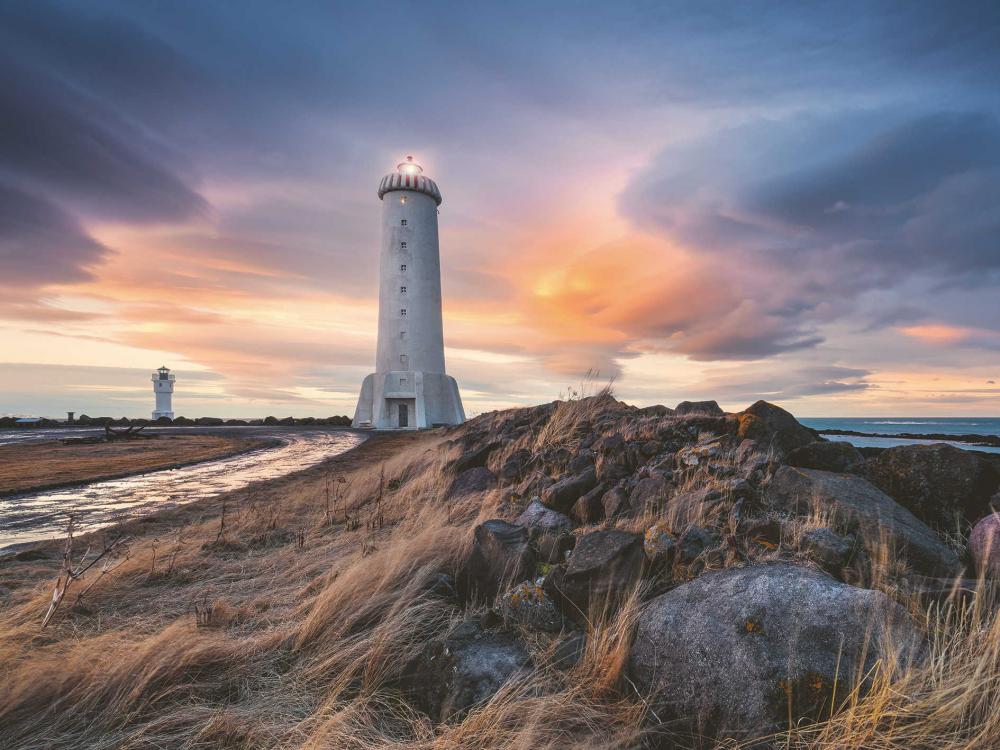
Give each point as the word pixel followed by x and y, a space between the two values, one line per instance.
pixel 402 290
pixel 402 245
pixel 404 362
pixel 402 334
pixel 402 312
pixel 402 267
pixel 402 222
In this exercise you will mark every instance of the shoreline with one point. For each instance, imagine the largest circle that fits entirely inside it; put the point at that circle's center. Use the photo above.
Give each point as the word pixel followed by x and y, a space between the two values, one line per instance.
pixel 983 441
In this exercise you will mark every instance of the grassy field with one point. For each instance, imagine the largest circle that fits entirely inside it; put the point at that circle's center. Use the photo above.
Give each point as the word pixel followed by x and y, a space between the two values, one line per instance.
pixel 37 466
pixel 284 615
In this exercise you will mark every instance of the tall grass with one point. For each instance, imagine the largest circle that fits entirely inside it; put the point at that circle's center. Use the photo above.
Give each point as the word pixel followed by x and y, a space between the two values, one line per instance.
pixel 306 644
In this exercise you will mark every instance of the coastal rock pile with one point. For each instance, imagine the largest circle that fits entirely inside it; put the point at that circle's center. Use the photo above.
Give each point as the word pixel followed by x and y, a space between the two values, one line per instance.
pixel 758 553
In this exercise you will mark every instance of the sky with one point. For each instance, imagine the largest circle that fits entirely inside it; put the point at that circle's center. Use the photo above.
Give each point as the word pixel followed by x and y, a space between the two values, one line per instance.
pixel 782 200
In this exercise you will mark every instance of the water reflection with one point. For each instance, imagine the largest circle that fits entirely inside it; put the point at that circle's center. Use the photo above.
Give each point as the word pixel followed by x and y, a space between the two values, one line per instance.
pixel 33 517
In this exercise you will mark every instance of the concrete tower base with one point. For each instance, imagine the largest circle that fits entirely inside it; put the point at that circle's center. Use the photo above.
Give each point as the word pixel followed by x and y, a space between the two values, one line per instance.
pixel 408 400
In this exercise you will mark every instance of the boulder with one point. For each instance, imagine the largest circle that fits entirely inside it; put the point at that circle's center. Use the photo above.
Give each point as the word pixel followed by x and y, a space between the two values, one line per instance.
pixel 603 568
pixel 528 605
pixel 659 543
pixel 475 457
pixel 615 502
pixel 501 555
pixel 589 508
pixel 830 551
pixel 773 427
pixel 828 455
pixel 464 669
pixel 984 545
pixel 581 462
pixel 471 481
pixel 568 490
pixel 940 484
pixel 548 529
pixel 650 493
pixel 856 506
pixel 516 466
pixel 614 459
pixel 706 408
pixel 737 653
pixel 539 517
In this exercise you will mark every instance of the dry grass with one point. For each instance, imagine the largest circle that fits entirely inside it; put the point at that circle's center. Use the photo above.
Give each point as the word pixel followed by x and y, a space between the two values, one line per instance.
pixel 311 601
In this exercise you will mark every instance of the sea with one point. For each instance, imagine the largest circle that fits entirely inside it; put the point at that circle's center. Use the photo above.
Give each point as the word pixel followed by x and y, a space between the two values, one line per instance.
pixel 914 425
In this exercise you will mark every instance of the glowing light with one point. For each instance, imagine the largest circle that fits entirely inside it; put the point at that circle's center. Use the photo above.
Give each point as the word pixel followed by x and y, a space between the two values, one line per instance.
pixel 409 166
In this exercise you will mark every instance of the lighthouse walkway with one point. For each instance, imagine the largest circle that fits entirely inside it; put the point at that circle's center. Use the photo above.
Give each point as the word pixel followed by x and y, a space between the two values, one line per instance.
pixel 37 516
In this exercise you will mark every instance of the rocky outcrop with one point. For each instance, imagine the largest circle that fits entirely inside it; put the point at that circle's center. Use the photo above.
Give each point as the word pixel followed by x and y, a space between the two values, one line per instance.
pixel 736 653
pixel 603 568
pixel 827 455
pixel 942 485
pixel 773 428
pixel 501 555
pixel 464 669
pixel 855 505
pixel 984 546
pixel 706 408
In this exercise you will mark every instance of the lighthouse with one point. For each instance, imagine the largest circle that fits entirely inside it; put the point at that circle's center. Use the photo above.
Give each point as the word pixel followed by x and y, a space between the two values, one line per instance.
pixel 409 388
pixel 163 387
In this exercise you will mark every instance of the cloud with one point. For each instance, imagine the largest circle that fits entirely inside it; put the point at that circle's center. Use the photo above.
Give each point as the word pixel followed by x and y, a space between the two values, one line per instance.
pixel 40 243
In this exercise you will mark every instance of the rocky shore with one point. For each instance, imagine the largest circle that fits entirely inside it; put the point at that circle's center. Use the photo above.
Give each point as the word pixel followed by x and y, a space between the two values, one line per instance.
pixel 581 573
pixel 989 441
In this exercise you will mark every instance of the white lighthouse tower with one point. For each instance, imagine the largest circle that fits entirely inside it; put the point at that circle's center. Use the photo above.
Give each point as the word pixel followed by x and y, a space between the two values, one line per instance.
pixel 163 387
pixel 409 388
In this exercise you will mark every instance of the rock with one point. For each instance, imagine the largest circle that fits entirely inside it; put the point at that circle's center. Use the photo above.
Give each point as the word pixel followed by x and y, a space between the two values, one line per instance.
pixel 855 505
pixel 830 551
pixel 514 468
pixel 828 455
pixel 475 458
pixel 650 494
pixel 465 668
pixel 603 568
pixel 692 542
pixel 731 654
pixel 470 481
pixel 569 651
pixel 568 490
pixel 615 502
pixel 501 555
pixel 773 427
pixel 527 604
pixel 693 455
pixel 701 505
pixel 984 545
pixel 765 532
pixel 614 460
pixel 589 508
pixel 659 543
pixel 704 408
pixel 581 462
pixel 937 483
pixel 542 518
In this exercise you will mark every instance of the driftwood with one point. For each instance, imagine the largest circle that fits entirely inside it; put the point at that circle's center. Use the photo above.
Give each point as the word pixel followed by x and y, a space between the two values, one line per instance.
pixel 113 554
pixel 130 433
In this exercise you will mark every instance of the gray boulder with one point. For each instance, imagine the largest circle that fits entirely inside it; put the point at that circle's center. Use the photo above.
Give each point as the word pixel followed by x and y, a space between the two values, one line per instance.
pixel 603 568
pixel 830 551
pixel 589 508
pixel 501 555
pixel 732 653
pixel 548 529
pixel 856 506
pixel 527 604
pixel 940 484
pixel 465 669
pixel 828 455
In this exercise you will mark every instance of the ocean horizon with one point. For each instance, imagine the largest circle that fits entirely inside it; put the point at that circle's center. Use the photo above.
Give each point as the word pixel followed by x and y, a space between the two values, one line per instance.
pixel 914 425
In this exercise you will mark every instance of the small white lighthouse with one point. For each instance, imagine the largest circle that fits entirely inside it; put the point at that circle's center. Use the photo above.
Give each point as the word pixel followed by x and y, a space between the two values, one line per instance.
pixel 409 388
pixel 163 387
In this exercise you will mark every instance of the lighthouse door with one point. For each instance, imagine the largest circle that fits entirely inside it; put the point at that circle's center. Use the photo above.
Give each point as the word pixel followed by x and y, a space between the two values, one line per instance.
pixel 404 416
